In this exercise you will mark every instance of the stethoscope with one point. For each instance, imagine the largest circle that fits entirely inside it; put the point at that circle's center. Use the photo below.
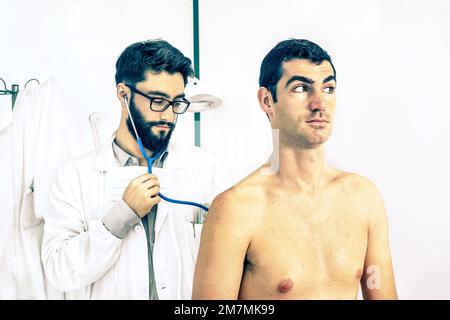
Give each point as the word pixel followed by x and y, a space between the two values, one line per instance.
pixel 150 161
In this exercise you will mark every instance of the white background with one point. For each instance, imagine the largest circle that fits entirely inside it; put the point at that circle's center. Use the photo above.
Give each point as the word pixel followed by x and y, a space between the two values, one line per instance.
pixel 392 99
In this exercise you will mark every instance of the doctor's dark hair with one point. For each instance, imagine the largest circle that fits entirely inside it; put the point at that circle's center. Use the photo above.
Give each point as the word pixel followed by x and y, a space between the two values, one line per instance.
pixel 151 55
pixel 271 69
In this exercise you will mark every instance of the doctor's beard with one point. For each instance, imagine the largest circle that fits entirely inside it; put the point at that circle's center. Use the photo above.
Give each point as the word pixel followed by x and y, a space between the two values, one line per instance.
pixel 156 143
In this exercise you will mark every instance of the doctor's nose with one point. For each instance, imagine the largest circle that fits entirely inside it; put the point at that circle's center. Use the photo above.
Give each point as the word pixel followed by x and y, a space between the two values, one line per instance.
pixel 168 115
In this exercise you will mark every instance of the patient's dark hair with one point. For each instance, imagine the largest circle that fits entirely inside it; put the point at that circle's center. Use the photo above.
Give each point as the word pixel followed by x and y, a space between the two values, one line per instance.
pixel 271 67
pixel 151 55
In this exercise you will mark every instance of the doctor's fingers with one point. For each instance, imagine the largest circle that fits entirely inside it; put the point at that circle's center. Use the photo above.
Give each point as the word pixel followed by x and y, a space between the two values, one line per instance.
pixel 144 185
pixel 153 200
pixel 149 184
pixel 143 178
pixel 152 191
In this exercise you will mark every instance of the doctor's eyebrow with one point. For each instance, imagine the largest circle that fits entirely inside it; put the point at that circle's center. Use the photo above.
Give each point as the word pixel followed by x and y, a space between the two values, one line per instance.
pixel 180 96
pixel 163 94
pixel 308 80
pixel 157 93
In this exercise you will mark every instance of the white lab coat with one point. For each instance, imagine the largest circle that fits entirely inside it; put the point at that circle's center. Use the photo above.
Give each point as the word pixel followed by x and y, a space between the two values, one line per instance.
pixel 83 259
pixel 39 143
pixel 7 281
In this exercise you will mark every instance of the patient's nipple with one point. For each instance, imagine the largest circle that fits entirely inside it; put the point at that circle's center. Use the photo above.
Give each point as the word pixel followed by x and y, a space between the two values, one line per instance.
pixel 285 286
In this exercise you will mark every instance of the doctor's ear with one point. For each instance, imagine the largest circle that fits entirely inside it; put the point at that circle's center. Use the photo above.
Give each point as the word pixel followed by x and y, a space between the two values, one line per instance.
pixel 123 92
pixel 265 100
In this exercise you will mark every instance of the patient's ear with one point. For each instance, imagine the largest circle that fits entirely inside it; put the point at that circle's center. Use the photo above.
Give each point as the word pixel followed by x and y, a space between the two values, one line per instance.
pixel 265 101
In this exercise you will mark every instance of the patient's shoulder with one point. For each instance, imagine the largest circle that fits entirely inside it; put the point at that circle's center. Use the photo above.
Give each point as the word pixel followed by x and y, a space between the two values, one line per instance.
pixel 357 186
pixel 359 183
pixel 238 198
pixel 242 202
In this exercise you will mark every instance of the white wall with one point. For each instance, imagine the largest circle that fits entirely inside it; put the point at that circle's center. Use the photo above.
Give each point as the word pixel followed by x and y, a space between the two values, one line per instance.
pixel 392 113
pixel 392 108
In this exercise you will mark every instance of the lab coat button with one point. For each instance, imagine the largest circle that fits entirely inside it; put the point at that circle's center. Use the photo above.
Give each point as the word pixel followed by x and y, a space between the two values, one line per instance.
pixel 138 228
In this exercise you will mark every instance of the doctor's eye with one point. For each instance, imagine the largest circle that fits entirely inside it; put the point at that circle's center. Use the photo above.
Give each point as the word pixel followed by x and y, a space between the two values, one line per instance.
pixel 159 102
pixel 178 103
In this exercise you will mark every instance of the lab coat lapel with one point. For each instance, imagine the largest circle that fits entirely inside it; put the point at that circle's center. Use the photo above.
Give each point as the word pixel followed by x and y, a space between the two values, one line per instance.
pixel 104 159
pixel 161 216
pixel 170 187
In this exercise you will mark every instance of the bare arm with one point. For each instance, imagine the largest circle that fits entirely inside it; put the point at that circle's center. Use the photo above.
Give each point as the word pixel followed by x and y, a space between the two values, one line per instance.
pixel 224 242
pixel 378 277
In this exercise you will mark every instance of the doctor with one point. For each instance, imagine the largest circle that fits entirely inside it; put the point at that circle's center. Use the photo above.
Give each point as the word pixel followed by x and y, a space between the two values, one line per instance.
pixel 98 245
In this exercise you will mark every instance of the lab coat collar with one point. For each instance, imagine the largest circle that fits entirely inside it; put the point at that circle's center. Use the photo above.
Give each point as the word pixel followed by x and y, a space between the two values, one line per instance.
pixel 105 160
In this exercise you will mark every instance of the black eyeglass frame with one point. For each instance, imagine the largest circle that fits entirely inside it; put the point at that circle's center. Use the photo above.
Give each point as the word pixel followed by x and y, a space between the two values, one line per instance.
pixel 169 103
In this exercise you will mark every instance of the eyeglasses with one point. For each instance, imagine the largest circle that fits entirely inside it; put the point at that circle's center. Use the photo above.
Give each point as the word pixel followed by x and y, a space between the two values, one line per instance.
pixel 158 104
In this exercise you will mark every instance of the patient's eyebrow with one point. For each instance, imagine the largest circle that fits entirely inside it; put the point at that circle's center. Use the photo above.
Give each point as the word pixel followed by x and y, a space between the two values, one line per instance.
pixel 329 78
pixel 308 80
pixel 299 78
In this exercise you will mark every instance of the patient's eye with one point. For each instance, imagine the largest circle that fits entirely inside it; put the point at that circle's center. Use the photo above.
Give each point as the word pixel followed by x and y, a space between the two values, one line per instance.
pixel 300 88
pixel 329 89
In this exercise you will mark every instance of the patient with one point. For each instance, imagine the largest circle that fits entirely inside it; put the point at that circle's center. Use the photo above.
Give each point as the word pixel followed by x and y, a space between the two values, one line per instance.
pixel 296 228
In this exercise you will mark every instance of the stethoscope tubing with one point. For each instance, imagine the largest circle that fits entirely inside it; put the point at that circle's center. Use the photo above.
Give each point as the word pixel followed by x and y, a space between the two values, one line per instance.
pixel 150 164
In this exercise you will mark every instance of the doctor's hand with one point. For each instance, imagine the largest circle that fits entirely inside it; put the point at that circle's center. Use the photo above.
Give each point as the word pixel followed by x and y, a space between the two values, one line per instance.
pixel 141 194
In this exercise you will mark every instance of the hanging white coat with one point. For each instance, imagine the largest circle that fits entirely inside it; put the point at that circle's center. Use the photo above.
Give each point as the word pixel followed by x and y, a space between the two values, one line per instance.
pixel 39 147
pixel 83 259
